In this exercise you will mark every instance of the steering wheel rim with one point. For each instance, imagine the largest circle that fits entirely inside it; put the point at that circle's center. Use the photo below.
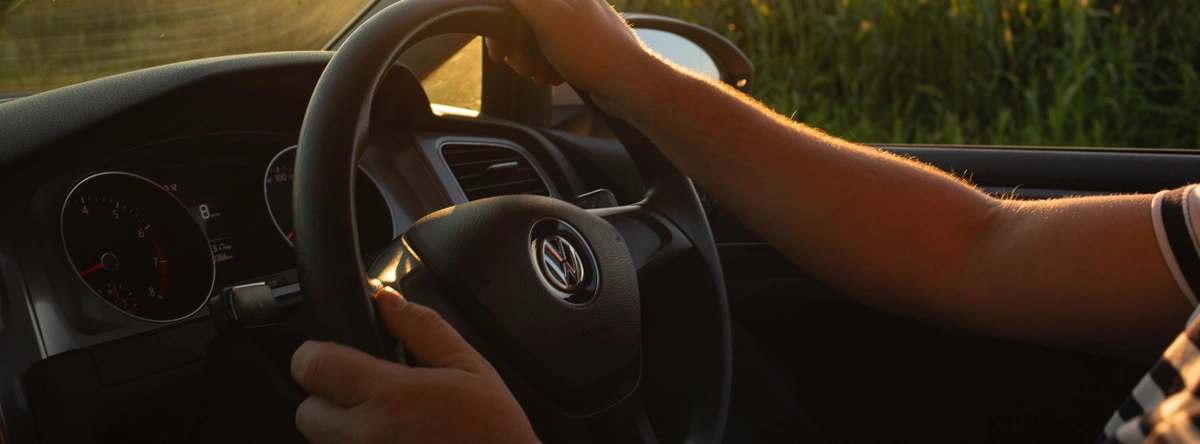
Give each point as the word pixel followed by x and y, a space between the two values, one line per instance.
pixel 332 272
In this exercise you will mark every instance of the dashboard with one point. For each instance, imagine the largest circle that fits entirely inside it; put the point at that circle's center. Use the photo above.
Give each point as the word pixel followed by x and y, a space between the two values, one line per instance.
pixel 130 201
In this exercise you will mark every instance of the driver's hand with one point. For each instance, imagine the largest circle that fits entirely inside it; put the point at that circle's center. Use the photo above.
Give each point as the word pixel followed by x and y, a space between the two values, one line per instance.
pixel 356 397
pixel 586 42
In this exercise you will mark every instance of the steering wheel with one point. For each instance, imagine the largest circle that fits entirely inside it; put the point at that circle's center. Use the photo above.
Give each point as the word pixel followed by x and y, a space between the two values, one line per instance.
pixel 608 325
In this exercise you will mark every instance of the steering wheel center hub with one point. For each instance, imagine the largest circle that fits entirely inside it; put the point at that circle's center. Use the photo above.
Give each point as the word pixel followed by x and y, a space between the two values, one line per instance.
pixel 551 288
pixel 565 260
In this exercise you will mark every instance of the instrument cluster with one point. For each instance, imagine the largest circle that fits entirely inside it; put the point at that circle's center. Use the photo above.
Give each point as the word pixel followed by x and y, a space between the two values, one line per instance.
pixel 165 226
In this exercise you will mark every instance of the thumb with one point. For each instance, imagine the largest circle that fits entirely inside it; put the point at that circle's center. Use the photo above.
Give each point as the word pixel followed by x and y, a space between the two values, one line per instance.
pixel 423 332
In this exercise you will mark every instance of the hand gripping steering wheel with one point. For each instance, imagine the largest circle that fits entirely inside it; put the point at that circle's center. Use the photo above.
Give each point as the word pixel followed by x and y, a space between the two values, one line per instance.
pixel 608 325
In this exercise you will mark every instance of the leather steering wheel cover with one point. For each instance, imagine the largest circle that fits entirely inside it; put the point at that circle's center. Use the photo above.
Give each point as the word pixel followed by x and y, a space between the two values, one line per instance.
pixel 329 262
pixel 328 259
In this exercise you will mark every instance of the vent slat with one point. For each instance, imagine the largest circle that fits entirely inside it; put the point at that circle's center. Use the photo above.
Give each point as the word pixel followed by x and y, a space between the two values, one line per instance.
pixel 470 163
pixel 505 184
pixel 488 162
pixel 465 149
pixel 520 170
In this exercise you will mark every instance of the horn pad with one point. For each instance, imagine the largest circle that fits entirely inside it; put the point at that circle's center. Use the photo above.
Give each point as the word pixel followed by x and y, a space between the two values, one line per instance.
pixel 549 287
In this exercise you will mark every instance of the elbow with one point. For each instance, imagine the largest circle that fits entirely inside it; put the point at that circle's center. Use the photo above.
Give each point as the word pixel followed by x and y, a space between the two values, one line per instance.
pixel 987 237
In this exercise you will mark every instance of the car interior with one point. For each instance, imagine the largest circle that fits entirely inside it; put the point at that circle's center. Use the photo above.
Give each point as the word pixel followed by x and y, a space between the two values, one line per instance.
pixel 168 235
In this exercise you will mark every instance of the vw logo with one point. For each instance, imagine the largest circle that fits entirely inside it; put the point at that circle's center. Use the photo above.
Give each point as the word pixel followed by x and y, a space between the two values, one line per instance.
pixel 561 263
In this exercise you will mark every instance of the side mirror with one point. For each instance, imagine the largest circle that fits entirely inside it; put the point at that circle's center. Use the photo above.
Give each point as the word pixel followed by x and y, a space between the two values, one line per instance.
pixel 695 47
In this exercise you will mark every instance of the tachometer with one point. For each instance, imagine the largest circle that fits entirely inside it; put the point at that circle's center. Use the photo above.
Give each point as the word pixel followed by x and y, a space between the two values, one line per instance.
pixel 375 229
pixel 137 247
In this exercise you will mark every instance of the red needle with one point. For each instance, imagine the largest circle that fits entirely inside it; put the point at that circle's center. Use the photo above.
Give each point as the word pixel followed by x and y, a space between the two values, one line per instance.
pixel 289 236
pixel 94 268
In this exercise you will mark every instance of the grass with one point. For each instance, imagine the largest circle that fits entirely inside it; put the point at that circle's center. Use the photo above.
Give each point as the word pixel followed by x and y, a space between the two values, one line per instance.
pixel 50 43
pixel 1021 72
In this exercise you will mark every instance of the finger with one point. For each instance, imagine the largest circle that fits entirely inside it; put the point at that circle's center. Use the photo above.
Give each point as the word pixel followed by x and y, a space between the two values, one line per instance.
pixel 542 75
pixel 423 331
pixel 497 50
pixel 339 373
pixel 321 421
pixel 556 78
pixel 521 63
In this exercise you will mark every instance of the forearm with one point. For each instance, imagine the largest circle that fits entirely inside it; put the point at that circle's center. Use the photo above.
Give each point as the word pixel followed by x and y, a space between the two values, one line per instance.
pixel 876 226
pixel 910 239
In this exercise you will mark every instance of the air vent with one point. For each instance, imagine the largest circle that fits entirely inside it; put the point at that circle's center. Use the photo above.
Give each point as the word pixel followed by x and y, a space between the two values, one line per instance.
pixel 489 170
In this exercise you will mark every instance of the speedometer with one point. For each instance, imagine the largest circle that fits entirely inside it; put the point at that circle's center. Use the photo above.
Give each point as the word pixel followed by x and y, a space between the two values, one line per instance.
pixel 137 247
pixel 374 217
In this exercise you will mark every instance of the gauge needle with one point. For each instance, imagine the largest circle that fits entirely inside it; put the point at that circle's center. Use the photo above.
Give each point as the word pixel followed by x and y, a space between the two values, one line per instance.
pixel 116 294
pixel 89 270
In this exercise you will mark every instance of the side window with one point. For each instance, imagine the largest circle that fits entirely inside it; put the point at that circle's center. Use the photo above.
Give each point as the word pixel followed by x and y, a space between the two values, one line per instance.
pixel 1090 73
pixel 457 84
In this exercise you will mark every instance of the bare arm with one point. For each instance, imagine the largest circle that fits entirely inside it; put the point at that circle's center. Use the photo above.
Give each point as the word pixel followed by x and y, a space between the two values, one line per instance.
pixel 892 233
pixel 910 239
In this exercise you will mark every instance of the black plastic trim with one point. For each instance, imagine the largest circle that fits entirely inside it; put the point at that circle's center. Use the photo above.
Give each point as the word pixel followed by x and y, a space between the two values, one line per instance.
pixel 1116 171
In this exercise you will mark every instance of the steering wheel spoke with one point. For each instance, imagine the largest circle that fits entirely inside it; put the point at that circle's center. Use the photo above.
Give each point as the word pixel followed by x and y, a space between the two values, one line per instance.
pixel 626 422
pixel 652 239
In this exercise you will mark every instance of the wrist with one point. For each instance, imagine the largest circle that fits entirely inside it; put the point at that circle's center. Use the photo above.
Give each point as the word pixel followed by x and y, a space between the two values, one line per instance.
pixel 642 79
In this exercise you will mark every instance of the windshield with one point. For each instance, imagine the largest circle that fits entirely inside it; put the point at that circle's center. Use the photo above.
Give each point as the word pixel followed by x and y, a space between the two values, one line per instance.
pixel 45 44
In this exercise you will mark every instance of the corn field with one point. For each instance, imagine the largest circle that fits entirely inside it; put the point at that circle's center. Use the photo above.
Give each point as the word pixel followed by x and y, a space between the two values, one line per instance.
pixel 1020 72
